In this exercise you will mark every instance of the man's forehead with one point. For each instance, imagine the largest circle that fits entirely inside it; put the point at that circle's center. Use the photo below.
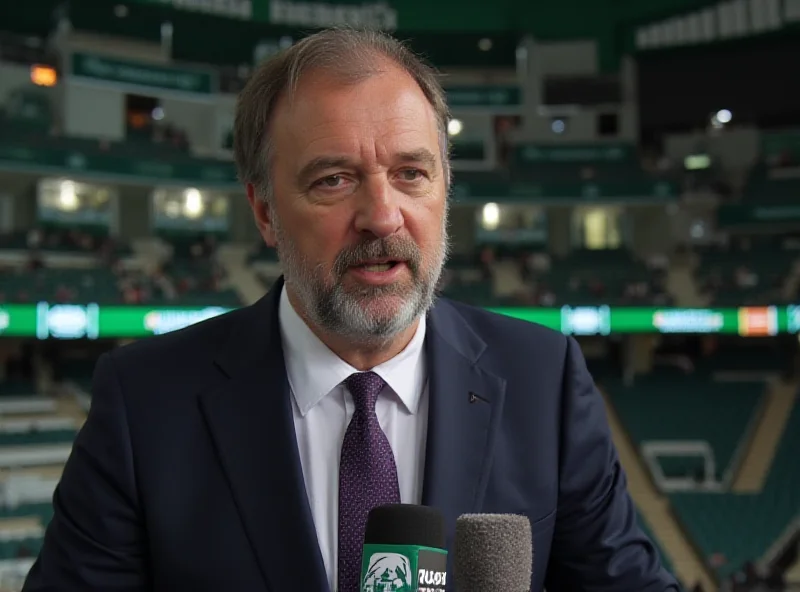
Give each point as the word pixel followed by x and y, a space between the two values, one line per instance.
pixel 321 98
pixel 389 124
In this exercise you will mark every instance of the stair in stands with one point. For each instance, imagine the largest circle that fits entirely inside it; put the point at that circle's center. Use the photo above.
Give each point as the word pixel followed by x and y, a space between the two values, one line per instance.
pixel 681 284
pixel 233 258
pixel 654 509
pixel 760 452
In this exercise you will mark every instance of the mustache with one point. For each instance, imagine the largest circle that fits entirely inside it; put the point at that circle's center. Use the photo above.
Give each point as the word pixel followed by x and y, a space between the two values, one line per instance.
pixel 398 248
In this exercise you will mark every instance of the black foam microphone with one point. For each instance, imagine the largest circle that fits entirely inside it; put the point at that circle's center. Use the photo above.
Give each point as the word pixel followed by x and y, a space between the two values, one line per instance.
pixel 404 550
pixel 493 553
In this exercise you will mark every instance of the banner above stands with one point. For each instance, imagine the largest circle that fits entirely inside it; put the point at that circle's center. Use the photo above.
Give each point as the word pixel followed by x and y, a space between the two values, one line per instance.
pixel 121 168
pixel 751 215
pixel 604 192
pixel 113 71
pixel 294 13
pixel 122 72
pixel 575 153
pixel 779 147
pixel 66 321
pixel 484 96
pixel 386 15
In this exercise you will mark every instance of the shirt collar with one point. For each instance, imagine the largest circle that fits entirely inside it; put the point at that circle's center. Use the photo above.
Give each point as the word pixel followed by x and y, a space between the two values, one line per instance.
pixel 314 370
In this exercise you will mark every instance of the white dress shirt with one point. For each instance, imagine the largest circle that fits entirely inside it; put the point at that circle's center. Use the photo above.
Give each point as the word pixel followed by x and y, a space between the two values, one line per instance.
pixel 322 412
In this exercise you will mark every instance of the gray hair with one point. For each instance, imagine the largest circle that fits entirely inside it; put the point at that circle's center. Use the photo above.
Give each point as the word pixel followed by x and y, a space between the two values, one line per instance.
pixel 350 55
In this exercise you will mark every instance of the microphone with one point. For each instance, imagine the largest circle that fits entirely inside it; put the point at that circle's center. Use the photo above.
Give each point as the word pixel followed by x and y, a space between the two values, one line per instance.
pixel 404 550
pixel 493 553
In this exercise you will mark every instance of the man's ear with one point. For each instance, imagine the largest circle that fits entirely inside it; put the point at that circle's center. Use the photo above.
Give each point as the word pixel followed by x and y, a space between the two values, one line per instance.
pixel 261 214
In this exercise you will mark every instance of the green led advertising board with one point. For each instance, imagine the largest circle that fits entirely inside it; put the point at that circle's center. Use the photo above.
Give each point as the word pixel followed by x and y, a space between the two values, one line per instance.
pixel 91 321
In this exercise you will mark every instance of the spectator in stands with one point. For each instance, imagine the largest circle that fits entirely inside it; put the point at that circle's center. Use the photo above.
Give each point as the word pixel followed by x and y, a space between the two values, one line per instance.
pixel 746 278
pixel 34 239
pixel 534 263
pixel 210 245
pixel 197 251
pixel 546 296
pixel 23 552
pixel 64 294
pixel 35 261
pixel 597 288
pixel 487 261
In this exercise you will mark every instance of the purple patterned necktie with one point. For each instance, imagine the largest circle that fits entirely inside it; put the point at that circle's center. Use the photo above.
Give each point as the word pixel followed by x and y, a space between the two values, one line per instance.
pixel 367 475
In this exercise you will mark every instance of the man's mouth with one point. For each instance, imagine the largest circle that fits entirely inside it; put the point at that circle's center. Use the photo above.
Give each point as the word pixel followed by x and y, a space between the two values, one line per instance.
pixel 378 265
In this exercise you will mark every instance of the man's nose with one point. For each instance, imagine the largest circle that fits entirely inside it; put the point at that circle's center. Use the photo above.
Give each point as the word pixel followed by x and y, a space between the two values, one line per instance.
pixel 379 210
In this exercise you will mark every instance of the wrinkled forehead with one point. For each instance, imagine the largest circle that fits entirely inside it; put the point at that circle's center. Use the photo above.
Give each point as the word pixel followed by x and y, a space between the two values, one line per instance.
pixel 387 107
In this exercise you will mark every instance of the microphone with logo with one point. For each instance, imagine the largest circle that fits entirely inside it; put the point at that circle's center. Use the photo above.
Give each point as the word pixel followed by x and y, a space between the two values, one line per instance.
pixel 493 553
pixel 404 550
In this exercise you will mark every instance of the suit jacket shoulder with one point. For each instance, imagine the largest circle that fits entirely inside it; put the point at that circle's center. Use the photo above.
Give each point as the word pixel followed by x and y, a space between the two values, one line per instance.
pixel 507 339
pixel 195 358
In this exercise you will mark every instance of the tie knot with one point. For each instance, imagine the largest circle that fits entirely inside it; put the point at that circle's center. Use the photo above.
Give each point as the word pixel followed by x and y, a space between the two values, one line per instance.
pixel 365 388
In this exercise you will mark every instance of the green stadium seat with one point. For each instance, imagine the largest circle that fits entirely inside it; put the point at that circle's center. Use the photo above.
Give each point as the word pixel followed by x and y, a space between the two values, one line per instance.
pixel 16 388
pixel 84 285
pixel 742 527
pixel 671 407
pixel 26 110
pixel 37 437
pixel 754 355
pixel 43 511
pixel 592 277
pixel 762 187
pixel 772 265
pixel 264 254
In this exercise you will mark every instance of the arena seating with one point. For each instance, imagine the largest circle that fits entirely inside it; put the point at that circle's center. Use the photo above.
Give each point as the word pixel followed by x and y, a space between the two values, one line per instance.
pixel 623 174
pixel 717 522
pixel 61 286
pixel 190 278
pixel 85 241
pixel 751 273
pixel 13 547
pixel 655 408
pixel 613 276
pixel 753 356
pixel 26 118
pixel 263 254
pixel 16 387
pixel 26 110
pixel 35 436
pixel 772 185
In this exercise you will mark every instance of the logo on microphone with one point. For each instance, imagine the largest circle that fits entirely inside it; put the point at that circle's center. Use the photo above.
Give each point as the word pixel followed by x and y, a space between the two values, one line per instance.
pixel 431 571
pixel 388 572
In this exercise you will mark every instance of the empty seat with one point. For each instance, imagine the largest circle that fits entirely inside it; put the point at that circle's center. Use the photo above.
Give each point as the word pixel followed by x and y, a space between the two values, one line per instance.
pixel 742 527
pixel 678 408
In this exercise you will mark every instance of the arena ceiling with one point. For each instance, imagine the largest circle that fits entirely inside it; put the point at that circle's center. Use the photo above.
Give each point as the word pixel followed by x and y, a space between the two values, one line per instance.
pixel 446 30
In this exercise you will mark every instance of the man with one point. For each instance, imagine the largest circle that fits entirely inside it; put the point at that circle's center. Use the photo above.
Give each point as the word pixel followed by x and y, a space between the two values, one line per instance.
pixel 244 453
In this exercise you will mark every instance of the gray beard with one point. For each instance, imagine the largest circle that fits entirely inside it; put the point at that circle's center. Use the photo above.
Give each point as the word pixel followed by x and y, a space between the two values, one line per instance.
pixel 334 309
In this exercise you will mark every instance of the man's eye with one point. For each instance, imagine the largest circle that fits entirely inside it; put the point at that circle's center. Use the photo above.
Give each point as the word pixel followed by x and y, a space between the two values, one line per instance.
pixel 332 181
pixel 411 174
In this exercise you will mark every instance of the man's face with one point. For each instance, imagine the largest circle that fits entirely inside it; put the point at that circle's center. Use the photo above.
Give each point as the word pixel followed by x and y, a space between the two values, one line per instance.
pixel 359 209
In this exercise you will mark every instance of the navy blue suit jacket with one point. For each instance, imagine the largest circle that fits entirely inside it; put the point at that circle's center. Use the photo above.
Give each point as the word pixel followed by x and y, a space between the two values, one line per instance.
pixel 186 475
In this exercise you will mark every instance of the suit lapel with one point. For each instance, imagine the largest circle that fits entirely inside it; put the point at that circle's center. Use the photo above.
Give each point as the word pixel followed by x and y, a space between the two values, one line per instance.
pixel 251 423
pixel 466 403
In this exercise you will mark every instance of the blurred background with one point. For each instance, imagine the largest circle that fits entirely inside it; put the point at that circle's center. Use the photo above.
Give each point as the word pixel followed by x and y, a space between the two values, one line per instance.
pixel 625 171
